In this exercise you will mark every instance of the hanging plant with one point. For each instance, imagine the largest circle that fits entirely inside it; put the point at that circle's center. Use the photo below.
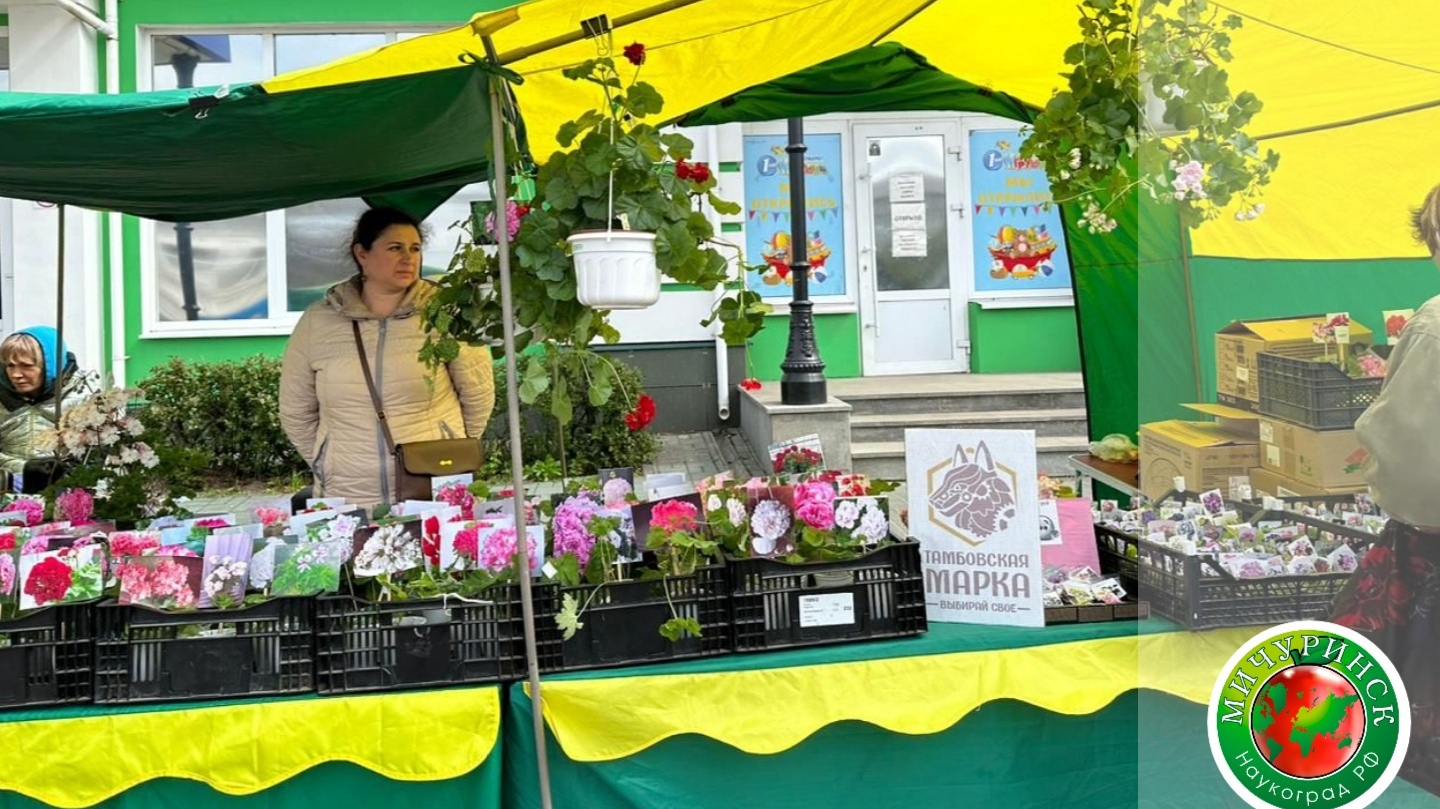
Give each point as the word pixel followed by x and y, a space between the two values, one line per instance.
pixel 1149 107
pixel 615 173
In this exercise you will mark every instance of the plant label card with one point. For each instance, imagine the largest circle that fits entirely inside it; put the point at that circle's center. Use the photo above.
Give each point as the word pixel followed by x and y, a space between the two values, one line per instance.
pixel 17 519
pixel 797 456
pixel 1395 320
pixel 409 508
pixel 617 486
pixel 324 503
pixel 299 521
pixel 440 482
pixel 460 542
pixel 500 542
pixel 623 538
pixel 1340 325
pixel 307 568
pixel 975 507
pixel 772 521
pixel 388 549
pixel 643 513
pixel 9 576
pixel 160 582
pixel 669 484
pixel 1073 545
pixel 226 570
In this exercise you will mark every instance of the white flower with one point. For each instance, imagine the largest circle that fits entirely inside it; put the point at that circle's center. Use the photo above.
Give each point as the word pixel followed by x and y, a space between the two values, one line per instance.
pixel 873 525
pixel 109 435
pixel 846 513
pixel 132 425
pixel 129 455
pixel 736 507
pixel 714 503
pixel 389 550
pixel 1075 158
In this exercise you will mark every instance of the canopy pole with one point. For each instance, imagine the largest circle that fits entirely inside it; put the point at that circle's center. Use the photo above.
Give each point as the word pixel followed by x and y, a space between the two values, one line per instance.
pixel 59 316
pixel 642 15
pixel 512 412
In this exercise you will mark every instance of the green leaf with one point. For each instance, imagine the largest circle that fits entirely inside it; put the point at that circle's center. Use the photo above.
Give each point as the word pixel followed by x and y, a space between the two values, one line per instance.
pixel 643 100
pixel 560 405
pixel 568 618
pixel 646 211
pixel 676 628
pixel 723 207
pixel 677 145
pixel 673 245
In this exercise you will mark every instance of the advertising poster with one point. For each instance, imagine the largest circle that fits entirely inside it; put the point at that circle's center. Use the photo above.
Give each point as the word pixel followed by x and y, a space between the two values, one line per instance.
pixel 975 507
pixel 767 215
pixel 1019 243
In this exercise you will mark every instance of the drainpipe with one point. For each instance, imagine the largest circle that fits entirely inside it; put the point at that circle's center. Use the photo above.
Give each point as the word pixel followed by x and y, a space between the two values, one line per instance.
pixel 85 15
pixel 722 351
pixel 112 226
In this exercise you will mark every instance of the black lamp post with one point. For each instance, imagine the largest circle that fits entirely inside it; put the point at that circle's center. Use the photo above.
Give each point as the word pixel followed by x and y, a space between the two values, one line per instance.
pixel 802 378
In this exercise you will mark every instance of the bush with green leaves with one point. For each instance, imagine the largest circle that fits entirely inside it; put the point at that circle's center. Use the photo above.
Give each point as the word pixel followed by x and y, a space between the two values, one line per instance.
pixel 229 410
pixel 596 436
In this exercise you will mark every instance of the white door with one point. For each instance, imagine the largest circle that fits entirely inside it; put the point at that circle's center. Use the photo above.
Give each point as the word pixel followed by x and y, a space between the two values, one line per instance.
pixel 914 265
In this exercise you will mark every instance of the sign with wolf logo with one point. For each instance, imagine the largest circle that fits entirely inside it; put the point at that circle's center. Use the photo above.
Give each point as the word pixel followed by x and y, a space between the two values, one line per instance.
pixel 975 507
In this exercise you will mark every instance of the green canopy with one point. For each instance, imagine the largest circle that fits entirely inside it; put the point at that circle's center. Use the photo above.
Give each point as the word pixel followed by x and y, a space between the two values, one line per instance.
pixel 200 154
pixel 883 78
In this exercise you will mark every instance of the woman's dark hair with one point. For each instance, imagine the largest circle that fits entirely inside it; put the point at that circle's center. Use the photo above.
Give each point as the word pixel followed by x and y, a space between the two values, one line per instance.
pixel 374 222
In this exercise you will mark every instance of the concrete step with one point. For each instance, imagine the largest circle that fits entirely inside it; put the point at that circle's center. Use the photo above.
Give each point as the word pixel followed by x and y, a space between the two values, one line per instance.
pixel 887 427
pixel 996 400
pixel 886 459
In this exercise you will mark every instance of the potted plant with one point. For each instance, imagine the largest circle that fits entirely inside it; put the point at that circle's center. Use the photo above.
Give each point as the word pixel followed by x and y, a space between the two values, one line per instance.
pixel 614 211
pixel 1149 108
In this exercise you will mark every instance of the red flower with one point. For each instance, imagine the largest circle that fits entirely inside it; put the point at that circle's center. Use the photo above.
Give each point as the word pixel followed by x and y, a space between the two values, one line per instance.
pixel 694 172
pixel 1394 324
pixel 635 53
pixel 644 413
pixel 675 515
pixel 750 384
pixel 49 581
pixel 430 541
pixel 7 540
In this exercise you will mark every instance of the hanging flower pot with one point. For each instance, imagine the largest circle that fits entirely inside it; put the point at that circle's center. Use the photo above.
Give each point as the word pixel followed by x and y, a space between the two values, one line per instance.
pixel 615 269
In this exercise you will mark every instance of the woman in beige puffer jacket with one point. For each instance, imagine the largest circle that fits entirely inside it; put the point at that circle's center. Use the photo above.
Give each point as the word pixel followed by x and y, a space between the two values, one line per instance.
pixel 325 404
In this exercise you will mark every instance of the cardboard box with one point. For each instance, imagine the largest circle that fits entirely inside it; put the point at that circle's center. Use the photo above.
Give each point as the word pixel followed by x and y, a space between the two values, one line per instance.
pixel 1264 482
pixel 1237 369
pixel 1206 453
pixel 1321 459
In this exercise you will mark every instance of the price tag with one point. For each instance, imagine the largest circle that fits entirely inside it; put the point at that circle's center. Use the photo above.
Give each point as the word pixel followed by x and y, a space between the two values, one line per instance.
pixel 835 609
pixel 549 570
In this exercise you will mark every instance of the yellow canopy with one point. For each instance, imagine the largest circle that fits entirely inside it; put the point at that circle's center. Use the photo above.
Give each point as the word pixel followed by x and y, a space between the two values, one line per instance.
pixel 1341 190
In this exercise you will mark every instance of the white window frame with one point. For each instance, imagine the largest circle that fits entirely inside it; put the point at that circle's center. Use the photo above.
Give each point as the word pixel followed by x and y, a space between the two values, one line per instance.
pixel 283 323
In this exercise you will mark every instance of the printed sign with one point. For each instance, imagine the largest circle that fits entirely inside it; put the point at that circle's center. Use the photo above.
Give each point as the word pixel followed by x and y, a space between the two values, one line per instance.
pixel 974 506
pixel 1019 241
pixel 767 214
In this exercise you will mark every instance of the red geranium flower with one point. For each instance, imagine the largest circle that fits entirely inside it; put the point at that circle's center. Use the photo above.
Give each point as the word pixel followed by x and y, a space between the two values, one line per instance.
pixel 430 541
pixel 694 172
pixel 635 54
pixel 49 581
pixel 644 413
pixel 750 384
pixel 1394 325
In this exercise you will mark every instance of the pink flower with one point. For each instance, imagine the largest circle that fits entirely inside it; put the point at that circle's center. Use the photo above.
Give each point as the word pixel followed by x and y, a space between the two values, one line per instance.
pixel 814 491
pixel 133 543
pixel 36 545
pixel 212 522
pixel 271 516
pixel 7 574
pixel 817 515
pixel 75 506
pixel 467 543
pixel 512 220
pixel 674 515
pixel 34 509
pixel 176 550
pixel 570 527
pixel 498 553
pixel 456 494
pixel 8 538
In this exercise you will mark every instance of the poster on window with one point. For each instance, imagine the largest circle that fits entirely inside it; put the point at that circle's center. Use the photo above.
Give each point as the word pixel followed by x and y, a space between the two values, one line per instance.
pixel 1019 243
pixel 768 224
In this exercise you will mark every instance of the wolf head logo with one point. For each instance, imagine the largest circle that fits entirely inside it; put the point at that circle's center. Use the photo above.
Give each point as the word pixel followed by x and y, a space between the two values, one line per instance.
pixel 973 495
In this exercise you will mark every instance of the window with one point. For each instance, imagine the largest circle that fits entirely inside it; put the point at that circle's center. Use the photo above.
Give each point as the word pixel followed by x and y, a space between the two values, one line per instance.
pixel 255 274
pixel 4 59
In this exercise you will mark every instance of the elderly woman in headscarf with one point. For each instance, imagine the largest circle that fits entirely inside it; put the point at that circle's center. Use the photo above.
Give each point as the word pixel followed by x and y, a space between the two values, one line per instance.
pixel 37 365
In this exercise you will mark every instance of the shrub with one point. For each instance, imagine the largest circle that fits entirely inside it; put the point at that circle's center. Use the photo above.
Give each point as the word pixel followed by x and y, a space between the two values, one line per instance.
pixel 595 439
pixel 230 410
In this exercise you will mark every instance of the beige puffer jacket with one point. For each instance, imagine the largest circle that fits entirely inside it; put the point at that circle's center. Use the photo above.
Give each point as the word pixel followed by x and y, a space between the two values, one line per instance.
pixel 326 408
pixel 21 428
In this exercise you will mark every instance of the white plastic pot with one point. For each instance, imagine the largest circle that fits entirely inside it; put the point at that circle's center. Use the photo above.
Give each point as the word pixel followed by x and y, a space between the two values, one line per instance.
pixel 615 269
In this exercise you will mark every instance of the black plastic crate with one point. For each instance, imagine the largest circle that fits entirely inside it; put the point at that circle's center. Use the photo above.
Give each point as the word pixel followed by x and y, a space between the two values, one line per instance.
pixel 145 655
pixel 621 624
pixel 1313 394
pixel 1118 558
pixel 47 657
pixel 1196 592
pixel 393 645
pixel 777 605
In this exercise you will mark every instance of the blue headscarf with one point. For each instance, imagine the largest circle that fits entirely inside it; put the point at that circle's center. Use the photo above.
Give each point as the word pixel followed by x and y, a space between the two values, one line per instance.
pixel 56 361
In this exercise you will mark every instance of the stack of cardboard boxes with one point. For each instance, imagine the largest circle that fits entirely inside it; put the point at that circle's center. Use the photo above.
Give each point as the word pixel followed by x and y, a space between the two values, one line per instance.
pixel 1280 458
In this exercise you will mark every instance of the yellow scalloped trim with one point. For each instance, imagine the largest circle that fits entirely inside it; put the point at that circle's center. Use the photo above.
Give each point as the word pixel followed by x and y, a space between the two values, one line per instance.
pixel 767 711
pixel 245 748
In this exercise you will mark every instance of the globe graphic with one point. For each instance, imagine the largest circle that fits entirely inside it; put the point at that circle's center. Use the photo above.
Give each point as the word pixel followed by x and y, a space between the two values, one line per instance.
pixel 1307 721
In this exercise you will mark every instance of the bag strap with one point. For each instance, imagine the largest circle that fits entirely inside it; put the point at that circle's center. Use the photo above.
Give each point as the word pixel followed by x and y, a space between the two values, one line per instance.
pixel 370 383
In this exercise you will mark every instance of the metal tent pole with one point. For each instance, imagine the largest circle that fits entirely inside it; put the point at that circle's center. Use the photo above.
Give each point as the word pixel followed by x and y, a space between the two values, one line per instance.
pixel 59 316
pixel 512 411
